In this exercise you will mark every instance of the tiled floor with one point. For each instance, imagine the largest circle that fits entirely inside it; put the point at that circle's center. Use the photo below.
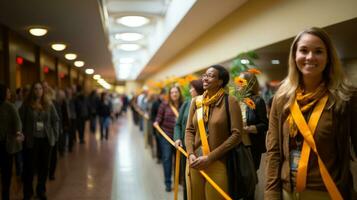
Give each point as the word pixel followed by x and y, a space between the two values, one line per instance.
pixel 118 169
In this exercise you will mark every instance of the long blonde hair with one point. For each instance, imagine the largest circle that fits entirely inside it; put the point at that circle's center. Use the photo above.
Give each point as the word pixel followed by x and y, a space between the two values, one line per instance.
pixel 339 87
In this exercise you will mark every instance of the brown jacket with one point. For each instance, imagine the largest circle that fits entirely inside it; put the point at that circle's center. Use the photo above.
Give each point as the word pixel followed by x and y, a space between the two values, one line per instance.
pixel 332 138
pixel 220 139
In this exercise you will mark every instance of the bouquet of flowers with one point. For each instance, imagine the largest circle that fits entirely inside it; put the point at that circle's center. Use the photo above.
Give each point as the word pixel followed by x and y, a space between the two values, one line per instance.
pixel 240 88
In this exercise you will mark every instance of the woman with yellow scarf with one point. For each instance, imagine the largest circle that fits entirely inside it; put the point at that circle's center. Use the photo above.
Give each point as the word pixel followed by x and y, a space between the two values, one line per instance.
pixel 311 125
pixel 208 137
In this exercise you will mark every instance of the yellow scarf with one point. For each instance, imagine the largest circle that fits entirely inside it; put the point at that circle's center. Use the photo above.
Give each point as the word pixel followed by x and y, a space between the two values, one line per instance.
pixel 306 103
pixel 206 102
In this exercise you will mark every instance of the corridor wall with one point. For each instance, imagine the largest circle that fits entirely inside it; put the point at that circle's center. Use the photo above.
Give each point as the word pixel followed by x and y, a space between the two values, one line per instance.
pixel 254 25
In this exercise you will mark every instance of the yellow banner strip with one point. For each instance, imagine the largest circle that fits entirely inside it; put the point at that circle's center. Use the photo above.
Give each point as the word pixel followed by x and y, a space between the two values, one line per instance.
pixel 177 174
pixel 209 180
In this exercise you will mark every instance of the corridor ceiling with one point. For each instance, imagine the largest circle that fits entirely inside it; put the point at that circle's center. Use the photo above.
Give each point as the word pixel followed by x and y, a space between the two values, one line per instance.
pixel 76 23
pixel 89 27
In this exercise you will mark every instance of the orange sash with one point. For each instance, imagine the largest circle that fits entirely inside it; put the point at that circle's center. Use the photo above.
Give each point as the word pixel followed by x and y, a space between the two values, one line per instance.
pixel 174 110
pixel 307 131
pixel 201 126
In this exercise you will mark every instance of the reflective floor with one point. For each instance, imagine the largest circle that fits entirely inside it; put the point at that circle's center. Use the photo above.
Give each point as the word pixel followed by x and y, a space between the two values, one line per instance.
pixel 120 168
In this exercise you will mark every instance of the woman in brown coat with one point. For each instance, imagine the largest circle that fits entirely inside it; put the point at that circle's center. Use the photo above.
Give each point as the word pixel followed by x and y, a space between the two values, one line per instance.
pixel 220 137
pixel 310 129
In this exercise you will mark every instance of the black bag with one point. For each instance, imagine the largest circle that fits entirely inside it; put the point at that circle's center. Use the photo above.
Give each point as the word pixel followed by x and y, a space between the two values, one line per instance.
pixel 242 177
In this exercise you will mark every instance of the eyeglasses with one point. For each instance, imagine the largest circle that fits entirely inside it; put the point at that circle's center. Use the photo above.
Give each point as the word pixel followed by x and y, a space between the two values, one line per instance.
pixel 210 76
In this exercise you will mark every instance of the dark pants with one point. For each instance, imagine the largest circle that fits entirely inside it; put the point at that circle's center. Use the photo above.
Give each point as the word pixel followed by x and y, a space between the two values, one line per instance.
pixel 6 166
pixel 80 127
pixel 71 134
pixel 36 159
pixel 167 155
pixel 93 123
pixel 53 161
pixel 158 148
pixel 61 143
pixel 104 127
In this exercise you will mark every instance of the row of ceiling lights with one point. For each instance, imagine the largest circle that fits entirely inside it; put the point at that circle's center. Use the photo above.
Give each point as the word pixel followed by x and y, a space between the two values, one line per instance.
pixel 129 38
pixel 69 56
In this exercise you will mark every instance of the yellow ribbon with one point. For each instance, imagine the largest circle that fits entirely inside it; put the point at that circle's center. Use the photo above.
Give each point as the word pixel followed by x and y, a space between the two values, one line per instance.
pixel 201 126
pixel 209 180
pixel 174 110
pixel 307 132
pixel 177 174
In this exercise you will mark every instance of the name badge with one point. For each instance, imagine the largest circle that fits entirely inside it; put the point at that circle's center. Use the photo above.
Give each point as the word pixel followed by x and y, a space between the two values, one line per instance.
pixel 294 159
pixel 39 126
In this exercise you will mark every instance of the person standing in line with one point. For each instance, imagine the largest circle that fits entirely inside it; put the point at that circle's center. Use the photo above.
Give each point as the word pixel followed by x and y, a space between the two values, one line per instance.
pixel 72 115
pixel 166 119
pixel 153 114
pixel 93 102
pixel 10 139
pixel 220 137
pixel 255 121
pixel 314 110
pixel 82 113
pixel 105 113
pixel 196 88
pixel 40 128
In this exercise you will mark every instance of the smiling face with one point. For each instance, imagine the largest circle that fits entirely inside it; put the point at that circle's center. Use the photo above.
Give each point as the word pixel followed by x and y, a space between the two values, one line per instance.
pixel 211 80
pixel 311 56
pixel 193 92
pixel 174 94
pixel 38 90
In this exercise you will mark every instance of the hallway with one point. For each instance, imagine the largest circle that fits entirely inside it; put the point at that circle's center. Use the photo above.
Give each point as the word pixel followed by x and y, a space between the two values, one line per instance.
pixel 118 169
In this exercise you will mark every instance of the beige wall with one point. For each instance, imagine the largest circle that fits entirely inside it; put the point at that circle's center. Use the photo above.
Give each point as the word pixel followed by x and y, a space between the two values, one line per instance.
pixel 132 86
pixel 256 24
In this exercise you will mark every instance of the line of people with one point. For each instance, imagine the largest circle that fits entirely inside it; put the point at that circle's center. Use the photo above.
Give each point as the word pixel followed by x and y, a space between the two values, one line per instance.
pixel 39 123
pixel 313 110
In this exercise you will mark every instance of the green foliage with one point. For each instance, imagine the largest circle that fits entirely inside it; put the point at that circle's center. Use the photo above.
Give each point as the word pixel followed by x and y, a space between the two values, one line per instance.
pixel 239 66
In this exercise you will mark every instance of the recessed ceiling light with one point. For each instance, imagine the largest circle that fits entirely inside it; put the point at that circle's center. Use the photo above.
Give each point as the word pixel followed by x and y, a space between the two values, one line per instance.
pixel 275 62
pixel 129 47
pixel 38 31
pixel 70 56
pixel 244 61
pixel 96 77
pixel 89 71
pixel 129 37
pixel 126 60
pixel 79 63
pixel 133 21
pixel 58 46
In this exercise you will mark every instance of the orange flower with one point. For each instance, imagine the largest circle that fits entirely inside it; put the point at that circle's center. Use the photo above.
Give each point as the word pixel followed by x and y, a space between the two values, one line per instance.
pixel 159 85
pixel 240 81
pixel 254 71
pixel 190 78
pixel 182 81
pixel 250 103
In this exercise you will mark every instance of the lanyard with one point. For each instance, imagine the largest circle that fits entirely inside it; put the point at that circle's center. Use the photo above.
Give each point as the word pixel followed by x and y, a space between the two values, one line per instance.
pixel 307 131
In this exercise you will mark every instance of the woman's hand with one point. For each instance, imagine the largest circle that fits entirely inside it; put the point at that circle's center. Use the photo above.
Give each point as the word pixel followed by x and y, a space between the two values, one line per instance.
pixel 200 163
pixel 156 124
pixel 20 137
pixel 178 143
pixel 191 158
pixel 250 129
